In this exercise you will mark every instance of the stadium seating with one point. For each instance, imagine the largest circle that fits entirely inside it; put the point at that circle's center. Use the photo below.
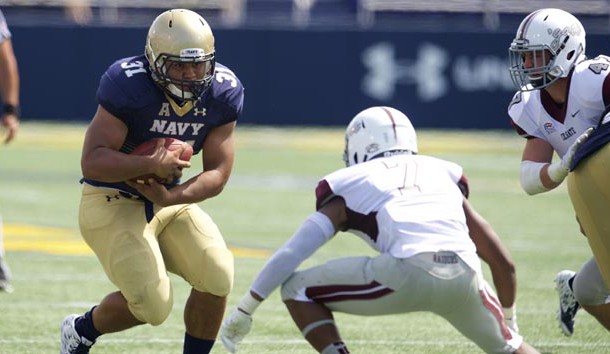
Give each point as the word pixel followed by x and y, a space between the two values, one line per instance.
pixel 492 15
pixel 368 9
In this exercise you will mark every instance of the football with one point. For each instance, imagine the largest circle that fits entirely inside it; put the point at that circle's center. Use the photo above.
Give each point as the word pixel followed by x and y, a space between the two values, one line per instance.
pixel 148 147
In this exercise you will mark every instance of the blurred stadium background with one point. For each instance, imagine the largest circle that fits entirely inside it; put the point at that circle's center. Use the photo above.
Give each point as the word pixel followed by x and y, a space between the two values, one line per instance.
pixel 308 63
pixel 303 62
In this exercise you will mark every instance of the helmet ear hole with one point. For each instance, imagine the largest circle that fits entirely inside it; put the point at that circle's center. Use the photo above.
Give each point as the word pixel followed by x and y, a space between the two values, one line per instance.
pixel 570 55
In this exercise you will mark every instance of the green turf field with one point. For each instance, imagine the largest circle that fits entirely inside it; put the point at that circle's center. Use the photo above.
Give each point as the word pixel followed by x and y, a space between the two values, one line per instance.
pixel 270 192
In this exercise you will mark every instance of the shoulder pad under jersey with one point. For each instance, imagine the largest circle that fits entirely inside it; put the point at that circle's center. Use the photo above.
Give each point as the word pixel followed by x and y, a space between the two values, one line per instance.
pixel 227 88
pixel 127 85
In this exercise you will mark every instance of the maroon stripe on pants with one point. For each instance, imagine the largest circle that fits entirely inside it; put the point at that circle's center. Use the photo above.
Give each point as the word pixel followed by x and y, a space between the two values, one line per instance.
pixel 494 306
pixel 332 293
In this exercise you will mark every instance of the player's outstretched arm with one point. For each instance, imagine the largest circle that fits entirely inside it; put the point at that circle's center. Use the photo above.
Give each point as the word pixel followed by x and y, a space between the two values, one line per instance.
pixel 315 231
pixel 493 252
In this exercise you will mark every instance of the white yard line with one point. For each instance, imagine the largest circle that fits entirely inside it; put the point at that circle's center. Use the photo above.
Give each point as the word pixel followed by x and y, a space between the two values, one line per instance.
pixel 271 341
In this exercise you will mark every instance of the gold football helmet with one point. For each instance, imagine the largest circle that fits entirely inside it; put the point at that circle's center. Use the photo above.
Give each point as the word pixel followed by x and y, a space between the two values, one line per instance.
pixel 180 38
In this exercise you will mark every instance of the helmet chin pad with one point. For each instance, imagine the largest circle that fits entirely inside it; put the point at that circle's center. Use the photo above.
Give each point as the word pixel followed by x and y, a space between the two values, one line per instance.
pixel 173 90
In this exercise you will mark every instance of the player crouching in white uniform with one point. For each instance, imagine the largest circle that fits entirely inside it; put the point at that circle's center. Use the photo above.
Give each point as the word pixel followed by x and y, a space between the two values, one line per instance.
pixel 411 209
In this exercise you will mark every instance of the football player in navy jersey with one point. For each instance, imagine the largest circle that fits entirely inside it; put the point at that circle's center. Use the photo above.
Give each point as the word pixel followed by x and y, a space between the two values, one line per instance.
pixel 140 232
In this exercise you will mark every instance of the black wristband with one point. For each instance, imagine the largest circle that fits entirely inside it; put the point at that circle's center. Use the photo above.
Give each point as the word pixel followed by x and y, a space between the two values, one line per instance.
pixel 11 109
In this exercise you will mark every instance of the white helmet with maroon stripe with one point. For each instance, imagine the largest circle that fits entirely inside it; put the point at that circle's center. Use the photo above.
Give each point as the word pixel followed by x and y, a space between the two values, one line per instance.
pixel 555 39
pixel 378 131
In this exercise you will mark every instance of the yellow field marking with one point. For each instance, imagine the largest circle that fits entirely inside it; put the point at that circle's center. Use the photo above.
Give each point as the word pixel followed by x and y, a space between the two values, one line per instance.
pixel 19 237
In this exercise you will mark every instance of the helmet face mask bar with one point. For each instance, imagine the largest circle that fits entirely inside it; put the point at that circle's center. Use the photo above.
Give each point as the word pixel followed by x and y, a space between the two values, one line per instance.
pixel 552 41
pixel 191 89
pixel 539 75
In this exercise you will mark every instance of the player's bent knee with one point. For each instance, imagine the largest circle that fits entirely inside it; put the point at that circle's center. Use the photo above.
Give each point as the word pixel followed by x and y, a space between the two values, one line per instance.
pixel 589 294
pixel 216 277
pixel 155 303
pixel 589 286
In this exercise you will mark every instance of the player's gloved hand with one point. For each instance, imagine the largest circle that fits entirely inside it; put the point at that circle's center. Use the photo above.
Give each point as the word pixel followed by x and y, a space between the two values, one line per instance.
pixel 510 317
pixel 559 170
pixel 235 327
pixel 566 161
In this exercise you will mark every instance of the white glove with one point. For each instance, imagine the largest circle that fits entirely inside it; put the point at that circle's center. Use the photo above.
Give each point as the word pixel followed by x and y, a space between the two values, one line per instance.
pixel 510 317
pixel 559 170
pixel 234 329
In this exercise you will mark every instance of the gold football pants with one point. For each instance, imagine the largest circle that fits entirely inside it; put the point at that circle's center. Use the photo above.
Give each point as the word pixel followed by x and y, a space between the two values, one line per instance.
pixel 589 188
pixel 137 255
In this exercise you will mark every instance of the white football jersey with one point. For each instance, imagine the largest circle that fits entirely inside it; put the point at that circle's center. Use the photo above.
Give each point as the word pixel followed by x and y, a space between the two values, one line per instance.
pixel 535 114
pixel 404 205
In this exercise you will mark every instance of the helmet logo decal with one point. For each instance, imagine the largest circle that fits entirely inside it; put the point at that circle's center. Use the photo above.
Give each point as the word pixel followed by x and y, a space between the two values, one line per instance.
pixel 192 53
pixel 558 43
pixel 355 129
pixel 374 147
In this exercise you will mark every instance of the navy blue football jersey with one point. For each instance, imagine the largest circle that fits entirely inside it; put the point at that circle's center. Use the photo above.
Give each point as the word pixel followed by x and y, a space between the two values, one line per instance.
pixel 127 91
